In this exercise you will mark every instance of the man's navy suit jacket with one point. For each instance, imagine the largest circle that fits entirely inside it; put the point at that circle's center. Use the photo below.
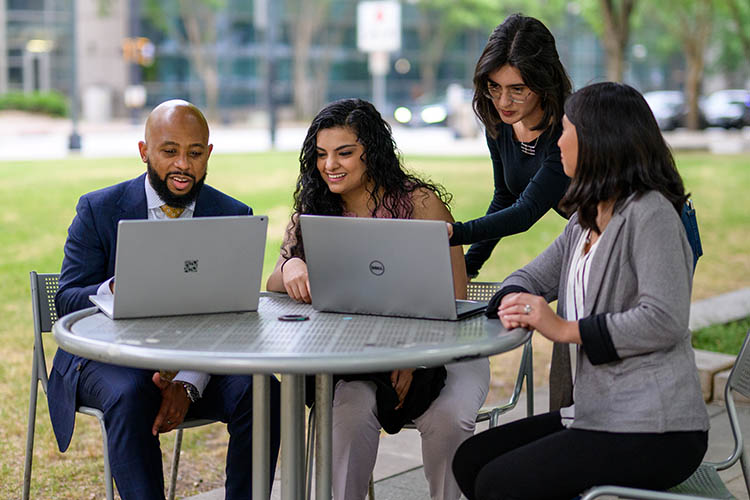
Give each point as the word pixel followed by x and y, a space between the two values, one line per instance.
pixel 90 260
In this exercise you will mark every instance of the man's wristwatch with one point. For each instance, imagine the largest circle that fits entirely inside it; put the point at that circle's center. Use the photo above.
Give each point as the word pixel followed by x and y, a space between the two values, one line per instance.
pixel 192 391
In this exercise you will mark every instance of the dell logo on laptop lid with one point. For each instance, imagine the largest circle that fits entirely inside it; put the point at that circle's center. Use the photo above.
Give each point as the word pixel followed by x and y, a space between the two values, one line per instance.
pixel 377 268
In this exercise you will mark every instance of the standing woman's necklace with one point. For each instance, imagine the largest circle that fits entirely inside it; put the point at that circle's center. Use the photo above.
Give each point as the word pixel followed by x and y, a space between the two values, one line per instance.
pixel 529 148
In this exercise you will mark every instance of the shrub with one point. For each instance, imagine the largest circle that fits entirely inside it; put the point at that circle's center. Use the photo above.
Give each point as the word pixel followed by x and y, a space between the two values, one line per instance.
pixel 726 338
pixel 50 103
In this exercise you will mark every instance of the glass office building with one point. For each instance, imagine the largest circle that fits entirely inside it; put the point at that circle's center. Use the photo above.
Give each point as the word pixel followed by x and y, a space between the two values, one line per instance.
pixel 35 46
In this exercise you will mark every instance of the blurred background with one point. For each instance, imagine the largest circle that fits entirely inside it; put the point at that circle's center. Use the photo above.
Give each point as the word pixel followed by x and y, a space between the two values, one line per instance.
pixel 77 78
pixel 265 62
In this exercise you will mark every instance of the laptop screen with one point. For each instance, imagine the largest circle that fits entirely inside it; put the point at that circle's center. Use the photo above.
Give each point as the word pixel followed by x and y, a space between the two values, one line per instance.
pixel 391 267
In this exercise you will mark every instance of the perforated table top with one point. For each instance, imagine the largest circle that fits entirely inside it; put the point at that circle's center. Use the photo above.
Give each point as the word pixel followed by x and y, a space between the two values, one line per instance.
pixel 257 342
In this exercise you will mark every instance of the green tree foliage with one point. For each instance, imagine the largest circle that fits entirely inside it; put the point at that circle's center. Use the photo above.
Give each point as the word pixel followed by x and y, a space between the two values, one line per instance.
pixel 732 37
pixel 612 21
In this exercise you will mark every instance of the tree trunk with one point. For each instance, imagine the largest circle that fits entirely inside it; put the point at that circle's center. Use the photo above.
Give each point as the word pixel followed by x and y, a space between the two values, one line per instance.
pixel 695 32
pixel 616 35
pixel 334 37
pixel 200 26
pixel 307 19
pixel 433 40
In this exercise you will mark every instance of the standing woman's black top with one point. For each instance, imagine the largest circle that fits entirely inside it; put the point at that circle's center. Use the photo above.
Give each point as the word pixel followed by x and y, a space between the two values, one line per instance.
pixel 526 187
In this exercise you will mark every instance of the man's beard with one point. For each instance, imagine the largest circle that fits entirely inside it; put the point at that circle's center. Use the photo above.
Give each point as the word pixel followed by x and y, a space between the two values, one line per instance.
pixel 171 199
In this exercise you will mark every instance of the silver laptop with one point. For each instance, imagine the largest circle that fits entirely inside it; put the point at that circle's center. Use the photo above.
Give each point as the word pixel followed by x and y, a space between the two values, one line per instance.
pixel 390 267
pixel 186 266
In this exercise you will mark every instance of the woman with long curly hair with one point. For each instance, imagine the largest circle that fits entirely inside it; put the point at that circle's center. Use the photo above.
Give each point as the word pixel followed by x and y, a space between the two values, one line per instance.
pixel 350 167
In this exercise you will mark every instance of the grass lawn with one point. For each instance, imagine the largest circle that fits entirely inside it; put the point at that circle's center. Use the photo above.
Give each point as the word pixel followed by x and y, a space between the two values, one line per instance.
pixel 726 338
pixel 38 202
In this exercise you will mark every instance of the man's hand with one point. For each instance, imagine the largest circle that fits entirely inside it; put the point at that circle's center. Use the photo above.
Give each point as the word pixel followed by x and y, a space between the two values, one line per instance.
pixel 174 405
pixel 401 380
pixel 296 282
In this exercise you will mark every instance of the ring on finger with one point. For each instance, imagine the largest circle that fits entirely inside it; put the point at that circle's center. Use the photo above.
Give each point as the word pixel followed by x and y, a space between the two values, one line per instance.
pixel 527 309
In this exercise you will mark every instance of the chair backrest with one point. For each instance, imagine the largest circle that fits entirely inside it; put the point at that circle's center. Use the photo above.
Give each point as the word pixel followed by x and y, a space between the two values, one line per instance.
pixel 43 290
pixel 739 377
pixel 739 380
pixel 482 290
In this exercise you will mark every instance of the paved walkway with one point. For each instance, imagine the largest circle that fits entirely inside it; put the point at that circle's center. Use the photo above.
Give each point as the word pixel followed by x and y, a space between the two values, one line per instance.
pixel 399 475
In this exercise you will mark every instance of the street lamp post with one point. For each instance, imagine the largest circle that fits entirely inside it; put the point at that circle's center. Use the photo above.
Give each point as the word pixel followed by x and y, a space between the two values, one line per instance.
pixel 74 141
pixel 379 34
pixel 265 20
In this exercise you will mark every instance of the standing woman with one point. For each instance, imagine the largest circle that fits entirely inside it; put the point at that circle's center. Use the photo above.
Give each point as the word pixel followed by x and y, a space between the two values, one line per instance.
pixel 520 86
pixel 350 167
pixel 621 273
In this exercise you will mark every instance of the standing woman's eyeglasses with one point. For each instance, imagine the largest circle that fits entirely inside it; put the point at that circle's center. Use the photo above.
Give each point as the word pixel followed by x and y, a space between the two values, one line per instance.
pixel 517 93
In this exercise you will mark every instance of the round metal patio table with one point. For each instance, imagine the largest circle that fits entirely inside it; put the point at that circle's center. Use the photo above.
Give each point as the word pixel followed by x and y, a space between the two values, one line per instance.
pixel 258 343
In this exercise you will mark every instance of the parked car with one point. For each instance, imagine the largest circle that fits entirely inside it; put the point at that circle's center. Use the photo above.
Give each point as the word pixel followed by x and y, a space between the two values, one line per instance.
pixel 668 106
pixel 452 110
pixel 728 108
pixel 421 113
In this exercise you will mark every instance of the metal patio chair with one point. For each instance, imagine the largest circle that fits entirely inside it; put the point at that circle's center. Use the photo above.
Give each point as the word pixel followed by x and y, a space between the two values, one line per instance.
pixel 705 482
pixel 43 290
pixel 481 291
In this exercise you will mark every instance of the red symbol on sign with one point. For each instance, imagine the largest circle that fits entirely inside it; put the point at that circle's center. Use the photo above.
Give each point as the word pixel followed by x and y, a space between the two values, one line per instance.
pixel 379 15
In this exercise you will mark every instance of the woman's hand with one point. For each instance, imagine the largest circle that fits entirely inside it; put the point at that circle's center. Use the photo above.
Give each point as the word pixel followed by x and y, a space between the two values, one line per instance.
pixel 295 279
pixel 450 229
pixel 532 311
pixel 401 380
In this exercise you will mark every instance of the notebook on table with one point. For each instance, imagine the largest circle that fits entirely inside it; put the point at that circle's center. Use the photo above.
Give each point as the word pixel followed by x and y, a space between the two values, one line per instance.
pixel 186 266
pixel 389 267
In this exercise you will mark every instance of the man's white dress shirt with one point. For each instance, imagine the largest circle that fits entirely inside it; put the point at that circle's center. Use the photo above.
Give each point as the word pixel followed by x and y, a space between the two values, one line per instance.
pixel 153 204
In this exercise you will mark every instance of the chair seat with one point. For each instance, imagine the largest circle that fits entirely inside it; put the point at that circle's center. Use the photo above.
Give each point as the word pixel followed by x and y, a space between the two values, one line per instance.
pixel 704 482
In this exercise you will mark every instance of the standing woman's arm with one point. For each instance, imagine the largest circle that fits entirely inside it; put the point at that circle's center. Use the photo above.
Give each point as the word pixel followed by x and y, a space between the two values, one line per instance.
pixel 502 198
pixel 543 192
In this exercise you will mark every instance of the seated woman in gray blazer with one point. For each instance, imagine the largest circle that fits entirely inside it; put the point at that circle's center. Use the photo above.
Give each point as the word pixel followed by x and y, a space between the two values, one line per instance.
pixel 621 273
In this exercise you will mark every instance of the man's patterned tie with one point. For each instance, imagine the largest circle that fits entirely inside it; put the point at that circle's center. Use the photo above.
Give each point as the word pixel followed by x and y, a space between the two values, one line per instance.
pixel 172 213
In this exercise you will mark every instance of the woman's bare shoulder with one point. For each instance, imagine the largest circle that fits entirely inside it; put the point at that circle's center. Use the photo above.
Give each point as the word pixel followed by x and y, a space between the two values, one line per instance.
pixel 427 205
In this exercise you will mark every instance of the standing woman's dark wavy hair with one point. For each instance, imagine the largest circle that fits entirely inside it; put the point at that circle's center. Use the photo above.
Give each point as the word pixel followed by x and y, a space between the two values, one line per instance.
pixel 527 45
pixel 389 184
pixel 620 151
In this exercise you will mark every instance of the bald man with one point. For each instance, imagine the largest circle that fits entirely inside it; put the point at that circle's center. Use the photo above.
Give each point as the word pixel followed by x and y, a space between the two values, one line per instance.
pixel 137 404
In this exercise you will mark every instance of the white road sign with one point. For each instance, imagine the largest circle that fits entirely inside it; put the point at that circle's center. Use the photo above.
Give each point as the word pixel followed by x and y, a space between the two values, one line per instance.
pixel 379 26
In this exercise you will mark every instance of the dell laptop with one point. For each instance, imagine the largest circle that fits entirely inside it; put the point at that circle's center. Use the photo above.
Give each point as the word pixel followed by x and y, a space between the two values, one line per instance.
pixel 186 266
pixel 389 267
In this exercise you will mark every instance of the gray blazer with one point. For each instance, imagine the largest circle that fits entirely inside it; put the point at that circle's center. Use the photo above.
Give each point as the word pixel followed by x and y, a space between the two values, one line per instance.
pixel 636 367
